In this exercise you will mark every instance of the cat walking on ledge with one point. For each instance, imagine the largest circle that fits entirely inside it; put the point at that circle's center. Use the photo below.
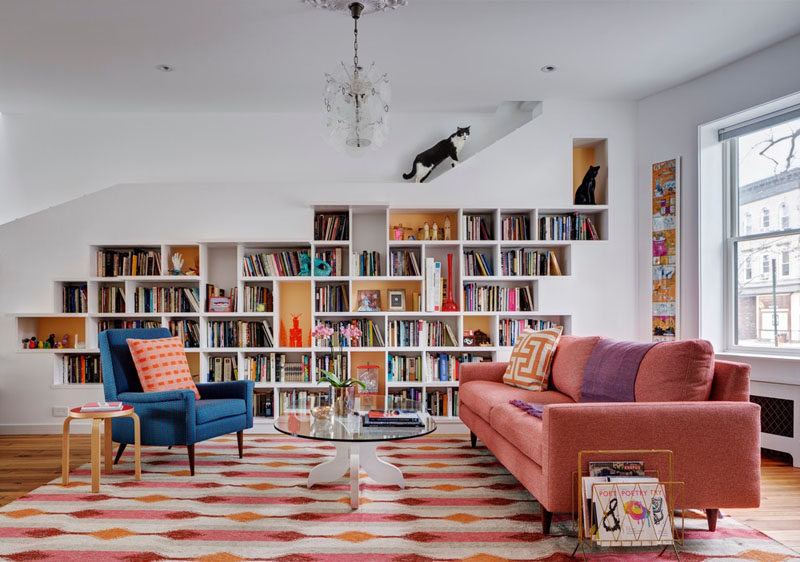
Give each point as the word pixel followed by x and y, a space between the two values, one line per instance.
pixel 427 160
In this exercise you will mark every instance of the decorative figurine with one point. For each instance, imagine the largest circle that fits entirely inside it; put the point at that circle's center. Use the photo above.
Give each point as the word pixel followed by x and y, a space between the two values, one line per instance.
pixel 435 233
pixel 51 342
pixel 65 341
pixel 177 263
pixel 321 268
pixel 426 231
pixel 32 344
pixel 447 228
pixel 427 160
pixel 40 344
pixel 584 195
pixel 398 232
pixel 296 332
pixel 25 343
pixel 482 338
pixel 305 265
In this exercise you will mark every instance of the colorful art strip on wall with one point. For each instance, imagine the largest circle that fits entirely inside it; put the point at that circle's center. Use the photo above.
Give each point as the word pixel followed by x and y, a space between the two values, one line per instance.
pixel 665 240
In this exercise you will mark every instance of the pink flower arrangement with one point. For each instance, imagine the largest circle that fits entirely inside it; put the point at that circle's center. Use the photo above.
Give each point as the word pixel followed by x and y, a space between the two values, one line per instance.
pixel 321 331
pixel 351 332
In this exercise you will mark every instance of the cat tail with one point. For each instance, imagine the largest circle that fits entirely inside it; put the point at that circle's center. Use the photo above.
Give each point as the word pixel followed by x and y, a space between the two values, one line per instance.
pixel 412 173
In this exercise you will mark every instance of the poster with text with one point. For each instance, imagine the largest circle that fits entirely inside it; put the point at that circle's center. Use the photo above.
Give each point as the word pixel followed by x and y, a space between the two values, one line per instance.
pixel 665 242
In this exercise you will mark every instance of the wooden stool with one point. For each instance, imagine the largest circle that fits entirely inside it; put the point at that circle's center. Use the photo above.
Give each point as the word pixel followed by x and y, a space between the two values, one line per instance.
pixel 97 417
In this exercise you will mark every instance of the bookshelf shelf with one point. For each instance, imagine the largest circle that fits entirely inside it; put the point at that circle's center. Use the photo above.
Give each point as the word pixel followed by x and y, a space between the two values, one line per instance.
pixel 366 229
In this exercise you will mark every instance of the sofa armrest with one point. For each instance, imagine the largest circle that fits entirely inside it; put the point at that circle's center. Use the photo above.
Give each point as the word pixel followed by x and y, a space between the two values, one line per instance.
pixel 716 446
pixel 486 371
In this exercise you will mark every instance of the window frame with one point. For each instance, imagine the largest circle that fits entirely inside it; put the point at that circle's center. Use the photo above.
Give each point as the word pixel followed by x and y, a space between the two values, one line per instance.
pixel 730 181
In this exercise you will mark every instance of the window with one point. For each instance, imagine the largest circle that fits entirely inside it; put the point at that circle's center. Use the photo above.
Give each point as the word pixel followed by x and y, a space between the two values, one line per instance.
pixel 783 213
pixel 762 173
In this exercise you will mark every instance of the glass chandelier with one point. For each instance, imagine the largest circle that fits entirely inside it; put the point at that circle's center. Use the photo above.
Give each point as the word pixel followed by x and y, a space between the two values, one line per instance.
pixel 356 101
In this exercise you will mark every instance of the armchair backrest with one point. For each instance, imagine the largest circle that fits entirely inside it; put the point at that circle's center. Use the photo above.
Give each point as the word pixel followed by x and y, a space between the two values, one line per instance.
pixel 119 371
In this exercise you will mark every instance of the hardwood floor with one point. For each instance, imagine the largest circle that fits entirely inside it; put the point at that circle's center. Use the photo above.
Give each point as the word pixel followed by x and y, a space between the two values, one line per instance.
pixel 28 461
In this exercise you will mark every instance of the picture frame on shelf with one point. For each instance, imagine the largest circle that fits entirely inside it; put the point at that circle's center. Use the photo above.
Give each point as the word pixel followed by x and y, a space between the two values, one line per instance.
pixel 220 304
pixel 397 299
pixel 369 300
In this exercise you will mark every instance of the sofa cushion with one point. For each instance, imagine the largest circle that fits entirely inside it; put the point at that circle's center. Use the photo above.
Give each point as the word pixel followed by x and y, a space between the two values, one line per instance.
pixel 570 359
pixel 210 409
pixel 676 371
pixel 532 359
pixel 161 365
pixel 523 430
pixel 482 396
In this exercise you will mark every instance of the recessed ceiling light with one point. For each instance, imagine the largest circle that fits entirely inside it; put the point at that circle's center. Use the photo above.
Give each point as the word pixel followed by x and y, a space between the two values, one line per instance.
pixel 165 68
pixel 549 68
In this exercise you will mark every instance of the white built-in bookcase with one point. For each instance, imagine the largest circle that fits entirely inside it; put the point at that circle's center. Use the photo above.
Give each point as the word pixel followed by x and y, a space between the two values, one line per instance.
pixel 370 228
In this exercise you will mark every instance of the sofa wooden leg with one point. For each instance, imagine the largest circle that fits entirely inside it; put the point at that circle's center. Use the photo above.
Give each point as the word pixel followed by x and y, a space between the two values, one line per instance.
pixel 712 515
pixel 547 519
pixel 120 450
pixel 473 439
pixel 240 442
pixel 190 449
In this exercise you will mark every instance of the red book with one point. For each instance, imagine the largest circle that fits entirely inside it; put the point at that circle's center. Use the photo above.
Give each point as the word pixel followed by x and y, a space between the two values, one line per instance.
pixel 101 407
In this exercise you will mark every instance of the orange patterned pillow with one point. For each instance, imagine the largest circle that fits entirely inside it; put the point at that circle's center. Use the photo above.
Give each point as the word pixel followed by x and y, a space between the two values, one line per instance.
pixel 161 365
pixel 532 358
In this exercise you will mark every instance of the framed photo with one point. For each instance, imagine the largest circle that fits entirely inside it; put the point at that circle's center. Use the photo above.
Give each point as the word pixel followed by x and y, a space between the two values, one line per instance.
pixel 665 242
pixel 369 300
pixel 220 304
pixel 397 299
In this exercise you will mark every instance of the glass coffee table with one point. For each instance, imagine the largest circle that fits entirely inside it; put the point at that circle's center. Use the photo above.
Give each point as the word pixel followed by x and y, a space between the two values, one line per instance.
pixel 356 446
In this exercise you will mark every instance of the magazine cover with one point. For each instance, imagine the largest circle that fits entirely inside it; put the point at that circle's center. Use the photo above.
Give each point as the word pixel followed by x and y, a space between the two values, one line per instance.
pixel 632 513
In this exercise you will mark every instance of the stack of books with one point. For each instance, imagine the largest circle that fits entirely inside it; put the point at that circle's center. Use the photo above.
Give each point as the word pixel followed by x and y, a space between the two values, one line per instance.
pixel 102 407
pixel 389 418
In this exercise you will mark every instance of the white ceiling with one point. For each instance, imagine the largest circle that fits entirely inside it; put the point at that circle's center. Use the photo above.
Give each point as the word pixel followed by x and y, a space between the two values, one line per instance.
pixel 270 55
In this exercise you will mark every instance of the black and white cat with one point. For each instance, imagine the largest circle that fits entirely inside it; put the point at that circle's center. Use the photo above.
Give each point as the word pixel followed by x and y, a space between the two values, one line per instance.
pixel 584 195
pixel 427 160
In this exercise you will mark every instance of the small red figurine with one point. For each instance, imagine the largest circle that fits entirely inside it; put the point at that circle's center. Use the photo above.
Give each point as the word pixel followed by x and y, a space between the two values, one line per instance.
pixel 296 332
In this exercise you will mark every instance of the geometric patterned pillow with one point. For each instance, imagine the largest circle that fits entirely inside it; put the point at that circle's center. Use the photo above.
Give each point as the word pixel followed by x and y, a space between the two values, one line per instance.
pixel 532 358
pixel 161 365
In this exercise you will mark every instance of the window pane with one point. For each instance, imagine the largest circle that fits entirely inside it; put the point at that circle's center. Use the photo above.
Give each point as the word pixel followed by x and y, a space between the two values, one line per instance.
pixel 769 179
pixel 768 314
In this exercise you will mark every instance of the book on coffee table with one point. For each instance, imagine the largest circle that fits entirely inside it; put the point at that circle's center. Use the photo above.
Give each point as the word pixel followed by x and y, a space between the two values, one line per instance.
pixel 392 417
pixel 101 407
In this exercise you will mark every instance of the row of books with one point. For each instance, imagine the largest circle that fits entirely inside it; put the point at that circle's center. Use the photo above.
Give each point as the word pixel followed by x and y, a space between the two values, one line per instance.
pixel 331 298
pixel 333 226
pixel 132 261
pixel 367 264
pixel 333 257
pixel 74 298
pixel 285 263
pixel 403 263
pixel 495 298
pixel 525 261
pixel 402 398
pixel 255 296
pixel 222 369
pixel 214 291
pixel 509 329
pixel 574 226
pixel 117 324
pixel 337 364
pixel 404 369
pixel 441 367
pixel 262 404
pixel 477 264
pixel 371 335
pixel 476 227
pixel 300 400
pixel 269 367
pixel 166 299
pixel 438 334
pixel 187 330
pixel 111 299
pixel 80 369
pixel 235 333
pixel 392 418
pixel 405 333
pixel 438 402
pixel 433 285
pixel 516 227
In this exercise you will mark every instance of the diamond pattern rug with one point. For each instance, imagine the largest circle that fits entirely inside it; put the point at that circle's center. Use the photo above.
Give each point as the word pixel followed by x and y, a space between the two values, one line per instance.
pixel 459 504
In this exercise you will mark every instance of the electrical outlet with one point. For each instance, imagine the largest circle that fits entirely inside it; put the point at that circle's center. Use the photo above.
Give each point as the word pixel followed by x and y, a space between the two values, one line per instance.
pixel 59 412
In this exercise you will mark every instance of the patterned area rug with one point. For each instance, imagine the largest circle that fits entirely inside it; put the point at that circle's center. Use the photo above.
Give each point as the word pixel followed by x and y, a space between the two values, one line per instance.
pixel 459 504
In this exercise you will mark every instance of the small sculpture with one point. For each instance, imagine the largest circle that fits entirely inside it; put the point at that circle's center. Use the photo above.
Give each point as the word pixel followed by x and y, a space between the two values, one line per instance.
pixel 50 342
pixel 65 341
pixel 435 234
pixel 177 263
pixel 426 231
pixel 296 332
pixel 398 232
pixel 321 268
pixel 585 192
pixel 25 343
pixel 32 343
pixel 40 344
pixel 305 264
pixel 427 160
pixel 447 228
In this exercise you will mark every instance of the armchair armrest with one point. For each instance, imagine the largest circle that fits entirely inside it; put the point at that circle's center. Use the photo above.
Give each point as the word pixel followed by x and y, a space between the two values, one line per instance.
pixel 232 389
pixel 486 371
pixel 150 397
pixel 715 446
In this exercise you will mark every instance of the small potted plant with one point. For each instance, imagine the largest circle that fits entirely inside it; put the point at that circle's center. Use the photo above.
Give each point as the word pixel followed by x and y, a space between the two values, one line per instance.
pixel 342 386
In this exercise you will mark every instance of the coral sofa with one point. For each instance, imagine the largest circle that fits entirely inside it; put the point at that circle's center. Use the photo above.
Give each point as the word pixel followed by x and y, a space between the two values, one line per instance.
pixel 685 402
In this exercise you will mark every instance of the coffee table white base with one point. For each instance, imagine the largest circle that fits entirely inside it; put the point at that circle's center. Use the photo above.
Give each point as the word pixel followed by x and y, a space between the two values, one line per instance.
pixel 349 456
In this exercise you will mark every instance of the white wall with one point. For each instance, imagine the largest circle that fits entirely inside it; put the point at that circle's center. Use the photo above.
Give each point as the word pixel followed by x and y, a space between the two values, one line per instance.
pixel 667 125
pixel 532 166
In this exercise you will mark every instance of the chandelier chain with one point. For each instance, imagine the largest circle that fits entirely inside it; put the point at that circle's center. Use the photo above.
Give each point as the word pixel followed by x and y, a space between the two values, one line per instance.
pixel 355 43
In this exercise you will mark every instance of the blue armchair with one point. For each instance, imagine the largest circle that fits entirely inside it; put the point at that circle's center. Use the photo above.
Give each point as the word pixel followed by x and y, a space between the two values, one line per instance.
pixel 171 417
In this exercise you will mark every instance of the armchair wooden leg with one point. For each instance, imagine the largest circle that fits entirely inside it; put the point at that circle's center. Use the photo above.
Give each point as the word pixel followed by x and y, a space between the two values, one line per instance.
pixel 473 439
pixel 547 519
pixel 712 515
pixel 120 450
pixel 240 442
pixel 190 449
